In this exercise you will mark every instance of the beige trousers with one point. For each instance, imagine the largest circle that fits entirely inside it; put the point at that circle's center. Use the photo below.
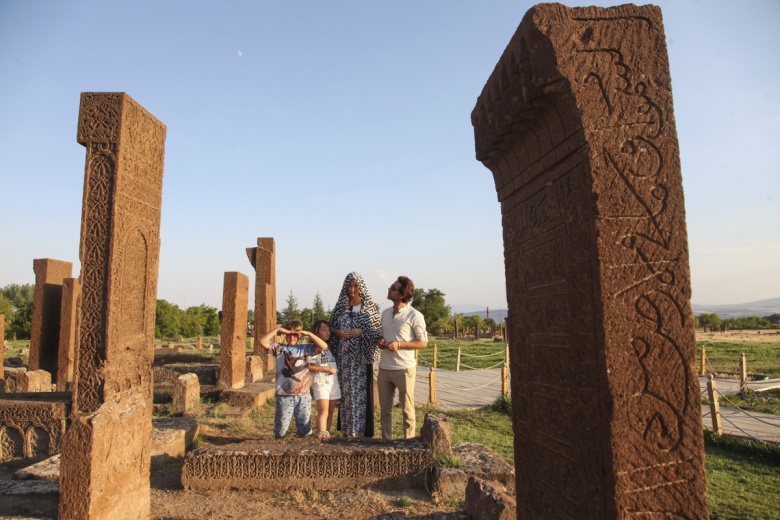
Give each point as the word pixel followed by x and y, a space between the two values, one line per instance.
pixel 387 382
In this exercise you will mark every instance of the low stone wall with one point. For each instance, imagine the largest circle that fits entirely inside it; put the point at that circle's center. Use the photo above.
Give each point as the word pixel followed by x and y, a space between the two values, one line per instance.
pixel 309 464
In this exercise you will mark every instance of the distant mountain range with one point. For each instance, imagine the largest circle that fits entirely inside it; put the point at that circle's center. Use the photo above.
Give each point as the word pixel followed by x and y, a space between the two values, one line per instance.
pixel 757 308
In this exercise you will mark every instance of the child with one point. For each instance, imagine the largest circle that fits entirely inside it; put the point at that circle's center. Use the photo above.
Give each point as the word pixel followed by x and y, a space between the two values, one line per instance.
pixel 293 382
pixel 325 386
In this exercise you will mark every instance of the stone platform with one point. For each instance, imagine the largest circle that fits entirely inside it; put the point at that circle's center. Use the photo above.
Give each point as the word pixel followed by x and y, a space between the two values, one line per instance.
pixel 309 464
pixel 252 396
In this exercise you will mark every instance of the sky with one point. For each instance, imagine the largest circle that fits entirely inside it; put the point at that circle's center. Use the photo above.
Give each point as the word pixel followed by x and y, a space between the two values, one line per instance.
pixel 342 129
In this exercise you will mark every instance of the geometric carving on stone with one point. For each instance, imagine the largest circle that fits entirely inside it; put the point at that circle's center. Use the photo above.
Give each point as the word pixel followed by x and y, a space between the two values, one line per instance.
pixel 31 428
pixel 576 126
pixel 235 299
pixel 326 466
pixel 263 259
pixel 45 330
pixel 105 455
pixel 71 291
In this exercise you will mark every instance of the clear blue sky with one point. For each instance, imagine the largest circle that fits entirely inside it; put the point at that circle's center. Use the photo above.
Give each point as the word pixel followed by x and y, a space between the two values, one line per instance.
pixel 343 130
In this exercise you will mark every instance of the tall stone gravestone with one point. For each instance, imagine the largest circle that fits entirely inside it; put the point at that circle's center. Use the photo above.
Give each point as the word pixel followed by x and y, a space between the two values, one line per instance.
pixel 71 290
pixel 232 352
pixel 45 327
pixel 576 125
pixel 263 259
pixel 106 450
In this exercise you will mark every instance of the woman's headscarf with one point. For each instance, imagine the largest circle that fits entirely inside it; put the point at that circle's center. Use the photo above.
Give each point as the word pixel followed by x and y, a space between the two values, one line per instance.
pixel 368 320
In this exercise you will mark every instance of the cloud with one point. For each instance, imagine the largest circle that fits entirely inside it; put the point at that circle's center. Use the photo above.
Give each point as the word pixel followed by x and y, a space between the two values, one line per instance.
pixel 240 53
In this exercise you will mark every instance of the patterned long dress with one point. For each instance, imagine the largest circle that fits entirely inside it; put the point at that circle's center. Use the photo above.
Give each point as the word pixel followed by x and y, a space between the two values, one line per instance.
pixel 354 359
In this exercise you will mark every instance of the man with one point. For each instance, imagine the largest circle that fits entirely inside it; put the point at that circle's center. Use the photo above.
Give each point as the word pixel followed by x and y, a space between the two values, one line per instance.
pixel 403 332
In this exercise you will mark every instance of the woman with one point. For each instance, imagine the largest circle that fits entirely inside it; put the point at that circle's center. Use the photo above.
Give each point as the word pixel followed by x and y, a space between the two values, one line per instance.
pixel 356 327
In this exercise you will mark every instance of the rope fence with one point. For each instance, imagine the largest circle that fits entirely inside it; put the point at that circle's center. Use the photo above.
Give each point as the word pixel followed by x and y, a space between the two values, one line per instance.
pixel 717 417
pixel 451 360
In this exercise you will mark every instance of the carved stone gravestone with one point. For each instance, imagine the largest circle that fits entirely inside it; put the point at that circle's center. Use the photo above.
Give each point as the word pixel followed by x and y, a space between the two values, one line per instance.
pixel 71 290
pixel 263 259
pixel 106 451
pixel 232 353
pixel 576 125
pixel 45 329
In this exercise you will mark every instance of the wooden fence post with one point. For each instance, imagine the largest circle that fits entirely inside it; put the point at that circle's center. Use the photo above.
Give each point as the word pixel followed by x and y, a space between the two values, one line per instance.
pixel 743 373
pixel 712 391
pixel 504 380
pixel 457 362
pixel 703 366
pixel 432 387
pixel 435 356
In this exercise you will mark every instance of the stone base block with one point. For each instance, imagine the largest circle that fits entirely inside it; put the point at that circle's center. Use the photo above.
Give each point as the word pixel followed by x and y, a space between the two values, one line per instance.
pixel 309 464
pixel 251 396
pixel 171 437
pixel 478 461
pixel 489 501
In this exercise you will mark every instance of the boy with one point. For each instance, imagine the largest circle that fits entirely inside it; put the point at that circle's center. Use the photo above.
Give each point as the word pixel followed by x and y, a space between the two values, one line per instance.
pixel 293 381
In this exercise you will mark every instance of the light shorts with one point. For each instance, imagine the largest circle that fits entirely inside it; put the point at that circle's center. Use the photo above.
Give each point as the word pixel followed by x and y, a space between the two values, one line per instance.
pixel 326 387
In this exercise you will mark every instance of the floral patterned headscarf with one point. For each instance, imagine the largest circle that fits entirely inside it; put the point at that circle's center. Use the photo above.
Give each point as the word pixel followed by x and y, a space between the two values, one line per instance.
pixel 368 320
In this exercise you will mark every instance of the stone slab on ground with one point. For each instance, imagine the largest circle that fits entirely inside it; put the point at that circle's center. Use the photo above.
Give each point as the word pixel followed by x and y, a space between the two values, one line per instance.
pixel 46 470
pixel 307 463
pixel 252 396
pixel 478 461
pixel 28 487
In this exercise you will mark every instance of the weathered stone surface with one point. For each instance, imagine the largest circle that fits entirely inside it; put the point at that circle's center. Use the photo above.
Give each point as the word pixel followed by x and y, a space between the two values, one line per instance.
pixel 28 487
pixel 232 355
pixel 106 451
pixel 47 469
pixel 186 394
pixel 308 464
pixel 14 379
pixel 71 291
pixel 35 381
pixel 577 127
pixel 478 461
pixel 435 433
pixel 489 501
pixel 263 259
pixel 45 329
pixel 254 369
pixel 30 426
pixel 3 344
pixel 252 396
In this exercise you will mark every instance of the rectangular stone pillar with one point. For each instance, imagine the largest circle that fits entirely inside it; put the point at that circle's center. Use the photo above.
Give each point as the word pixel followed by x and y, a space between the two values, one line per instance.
pixel 45 331
pixel 232 354
pixel 71 290
pixel 263 259
pixel 2 351
pixel 576 125
pixel 106 451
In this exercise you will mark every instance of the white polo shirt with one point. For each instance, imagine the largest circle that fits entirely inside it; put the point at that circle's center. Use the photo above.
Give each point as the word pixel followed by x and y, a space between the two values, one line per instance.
pixel 407 325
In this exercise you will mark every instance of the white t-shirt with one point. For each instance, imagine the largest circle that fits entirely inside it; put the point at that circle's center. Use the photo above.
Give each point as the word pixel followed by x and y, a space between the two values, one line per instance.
pixel 407 325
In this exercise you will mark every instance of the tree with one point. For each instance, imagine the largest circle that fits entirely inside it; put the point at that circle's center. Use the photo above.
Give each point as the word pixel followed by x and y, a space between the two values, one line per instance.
pixel 21 322
pixel 291 312
pixel 200 320
pixel 167 320
pixel 250 317
pixel 318 309
pixel 711 320
pixel 16 303
pixel 433 306
pixel 19 294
